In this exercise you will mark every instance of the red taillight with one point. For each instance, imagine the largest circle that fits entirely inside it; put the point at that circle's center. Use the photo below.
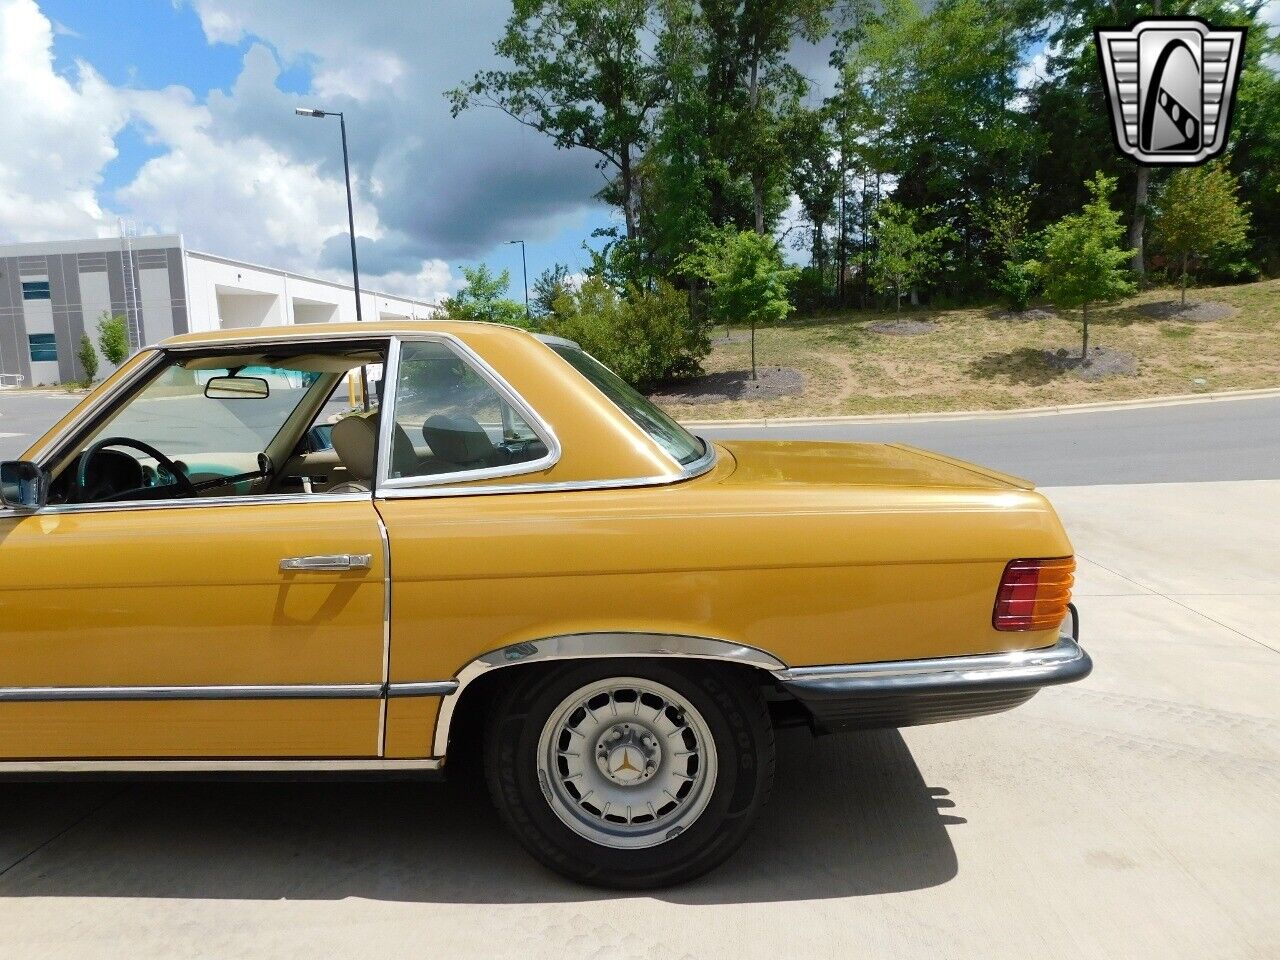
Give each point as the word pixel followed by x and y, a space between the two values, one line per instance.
pixel 1034 594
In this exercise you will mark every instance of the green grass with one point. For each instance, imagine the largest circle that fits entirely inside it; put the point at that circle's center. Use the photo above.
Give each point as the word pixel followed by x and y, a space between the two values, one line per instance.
pixel 978 361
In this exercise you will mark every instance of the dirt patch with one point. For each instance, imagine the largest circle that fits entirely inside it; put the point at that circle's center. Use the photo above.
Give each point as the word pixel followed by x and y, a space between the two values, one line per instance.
pixel 1025 316
pixel 904 328
pixel 1102 362
pixel 1196 311
pixel 770 383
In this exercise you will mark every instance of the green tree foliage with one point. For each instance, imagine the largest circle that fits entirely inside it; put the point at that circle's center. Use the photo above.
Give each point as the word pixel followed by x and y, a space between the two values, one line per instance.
pixel 905 252
pixel 1009 243
pixel 579 73
pixel 748 280
pixel 113 338
pixel 550 285
pixel 485 298
pixel 1084 261
pixel 1199 211
pixel 645 337
pixel 88 358
pixel 940 88
pixel 702 118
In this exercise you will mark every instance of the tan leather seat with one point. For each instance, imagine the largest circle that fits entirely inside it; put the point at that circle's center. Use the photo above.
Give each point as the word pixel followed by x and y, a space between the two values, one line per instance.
pixel 355 439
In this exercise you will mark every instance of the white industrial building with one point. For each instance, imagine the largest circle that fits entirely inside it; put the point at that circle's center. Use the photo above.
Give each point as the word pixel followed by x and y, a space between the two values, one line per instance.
pixel 51 293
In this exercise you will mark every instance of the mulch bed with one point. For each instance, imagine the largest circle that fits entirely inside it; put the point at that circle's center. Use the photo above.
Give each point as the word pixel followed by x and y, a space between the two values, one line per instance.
pixel 1196 311
pixel 1103 362
pixel 1024 316
pixel 903 328
pixel 771 382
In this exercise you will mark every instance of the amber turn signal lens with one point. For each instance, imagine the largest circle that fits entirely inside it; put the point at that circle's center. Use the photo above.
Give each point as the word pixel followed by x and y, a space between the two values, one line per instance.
pixel 1034 594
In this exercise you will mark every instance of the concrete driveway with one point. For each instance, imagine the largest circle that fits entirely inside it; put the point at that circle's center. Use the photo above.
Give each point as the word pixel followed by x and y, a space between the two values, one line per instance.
pixel 1132 815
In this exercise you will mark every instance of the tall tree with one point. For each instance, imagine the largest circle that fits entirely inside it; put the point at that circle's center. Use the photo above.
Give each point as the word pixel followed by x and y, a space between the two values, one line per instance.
pixel 747 279
pixel 944 86
pixel 905 252
pixel 749 86
pixel 581 72
pixel 1199 210
pixel 1083 261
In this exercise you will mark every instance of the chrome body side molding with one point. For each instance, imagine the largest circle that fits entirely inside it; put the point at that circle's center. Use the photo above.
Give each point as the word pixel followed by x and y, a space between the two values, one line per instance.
pixel 587 646
pixel 216 765
pixel 292 691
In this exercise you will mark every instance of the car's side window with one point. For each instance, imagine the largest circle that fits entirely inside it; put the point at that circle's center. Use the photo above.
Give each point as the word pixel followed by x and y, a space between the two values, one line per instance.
pixel 452 418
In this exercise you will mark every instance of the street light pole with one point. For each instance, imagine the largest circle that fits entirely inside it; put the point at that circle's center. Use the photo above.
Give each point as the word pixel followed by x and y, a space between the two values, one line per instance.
pixel 351 225
pixel 524 268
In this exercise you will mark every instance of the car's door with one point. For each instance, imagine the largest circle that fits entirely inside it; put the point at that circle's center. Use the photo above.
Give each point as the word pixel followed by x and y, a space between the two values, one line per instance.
pixel 232 626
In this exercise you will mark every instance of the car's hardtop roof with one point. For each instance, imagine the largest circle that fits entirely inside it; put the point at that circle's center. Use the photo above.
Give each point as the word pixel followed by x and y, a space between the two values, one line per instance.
pixel 371 328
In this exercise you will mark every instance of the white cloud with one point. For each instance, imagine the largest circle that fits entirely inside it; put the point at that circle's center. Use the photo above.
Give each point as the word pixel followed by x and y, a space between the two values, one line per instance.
pixel 238 174
pixel 57 134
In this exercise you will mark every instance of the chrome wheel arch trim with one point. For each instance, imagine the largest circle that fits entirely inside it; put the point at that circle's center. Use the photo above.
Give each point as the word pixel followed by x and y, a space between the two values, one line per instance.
pixel 595 646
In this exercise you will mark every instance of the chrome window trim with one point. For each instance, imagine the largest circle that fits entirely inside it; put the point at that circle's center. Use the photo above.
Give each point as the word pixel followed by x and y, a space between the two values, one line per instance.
pixel 187 503
pixel 283 691
pixel 386 483
pixel 216 765
pixel 707 450
pixel 695 469
pixel 591 646
pixel 386 632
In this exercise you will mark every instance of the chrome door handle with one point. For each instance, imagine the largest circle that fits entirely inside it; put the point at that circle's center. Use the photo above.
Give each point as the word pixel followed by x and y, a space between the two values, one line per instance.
pixel 329 561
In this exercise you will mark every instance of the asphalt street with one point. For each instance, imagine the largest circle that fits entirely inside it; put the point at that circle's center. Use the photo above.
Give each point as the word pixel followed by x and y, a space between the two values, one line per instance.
pixel 1221 440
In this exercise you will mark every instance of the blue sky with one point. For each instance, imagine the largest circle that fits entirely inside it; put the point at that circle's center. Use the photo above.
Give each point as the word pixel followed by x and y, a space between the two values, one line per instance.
pixel 178 116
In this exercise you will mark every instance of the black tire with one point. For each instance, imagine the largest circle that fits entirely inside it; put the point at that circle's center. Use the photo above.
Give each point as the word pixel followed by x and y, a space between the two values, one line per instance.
pixel 738 718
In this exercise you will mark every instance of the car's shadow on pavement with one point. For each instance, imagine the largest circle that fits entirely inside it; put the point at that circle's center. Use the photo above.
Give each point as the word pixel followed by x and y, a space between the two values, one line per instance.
pixel 850 816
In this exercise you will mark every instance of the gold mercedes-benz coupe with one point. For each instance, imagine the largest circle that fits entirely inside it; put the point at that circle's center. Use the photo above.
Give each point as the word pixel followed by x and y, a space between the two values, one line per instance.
pixel 226 559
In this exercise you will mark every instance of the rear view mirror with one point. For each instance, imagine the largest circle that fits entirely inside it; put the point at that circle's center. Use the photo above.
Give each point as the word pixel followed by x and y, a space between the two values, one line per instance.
pixel 237 388
pixel 23 485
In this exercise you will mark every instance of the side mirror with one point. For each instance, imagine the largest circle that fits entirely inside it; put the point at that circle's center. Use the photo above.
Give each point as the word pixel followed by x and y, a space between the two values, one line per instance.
pixel 23 486
pixel 237 388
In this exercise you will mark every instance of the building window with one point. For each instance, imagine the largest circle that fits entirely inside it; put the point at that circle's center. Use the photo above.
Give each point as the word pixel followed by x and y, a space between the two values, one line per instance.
pixel 35 290
pixel 44 346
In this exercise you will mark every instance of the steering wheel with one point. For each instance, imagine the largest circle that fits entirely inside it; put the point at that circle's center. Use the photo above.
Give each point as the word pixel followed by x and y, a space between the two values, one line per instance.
pixel 183 483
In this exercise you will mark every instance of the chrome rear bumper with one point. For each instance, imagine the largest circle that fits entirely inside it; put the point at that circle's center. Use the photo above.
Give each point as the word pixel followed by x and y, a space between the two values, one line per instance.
pixel 909 692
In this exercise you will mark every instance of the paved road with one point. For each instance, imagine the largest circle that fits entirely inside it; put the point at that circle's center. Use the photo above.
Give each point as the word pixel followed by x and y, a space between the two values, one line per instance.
pixel 1225 440
pixel 1134 815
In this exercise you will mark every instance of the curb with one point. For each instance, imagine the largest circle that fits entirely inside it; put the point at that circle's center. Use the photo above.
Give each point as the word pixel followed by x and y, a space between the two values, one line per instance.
pixel 1104 406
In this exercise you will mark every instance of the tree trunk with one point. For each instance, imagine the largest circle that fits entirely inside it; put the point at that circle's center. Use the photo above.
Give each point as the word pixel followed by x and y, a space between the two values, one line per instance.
pixel 1184 280
pixel 897 297
pixel 842 257
pixel 757 175
pixel 628 192
pixel 1139 225
pixel 1084 350
pixel 753 348
pixel 757 199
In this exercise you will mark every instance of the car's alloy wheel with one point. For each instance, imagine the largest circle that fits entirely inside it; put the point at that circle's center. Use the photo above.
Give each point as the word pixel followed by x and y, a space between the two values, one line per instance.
pixel 631 773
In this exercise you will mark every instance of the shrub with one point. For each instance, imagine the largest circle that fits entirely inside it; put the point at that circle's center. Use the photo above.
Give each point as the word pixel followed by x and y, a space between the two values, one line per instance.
pixel 113 338
pixel 485 299
pixel 1016 282
pixel 88 358
pixel 646 337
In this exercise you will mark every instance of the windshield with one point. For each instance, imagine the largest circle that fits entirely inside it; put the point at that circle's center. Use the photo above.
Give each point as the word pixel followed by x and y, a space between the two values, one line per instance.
pixel 673 438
